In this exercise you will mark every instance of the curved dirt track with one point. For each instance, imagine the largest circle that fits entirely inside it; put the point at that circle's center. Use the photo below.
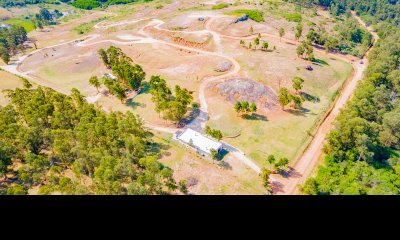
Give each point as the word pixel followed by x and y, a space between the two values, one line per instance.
pixel 89 41
pixel 306 163
pixel 290 183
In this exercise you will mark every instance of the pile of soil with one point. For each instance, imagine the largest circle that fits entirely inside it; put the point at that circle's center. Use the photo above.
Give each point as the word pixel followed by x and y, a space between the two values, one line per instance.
pixel 243 89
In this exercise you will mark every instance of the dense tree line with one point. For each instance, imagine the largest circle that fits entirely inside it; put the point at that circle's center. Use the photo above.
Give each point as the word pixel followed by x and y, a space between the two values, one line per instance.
pixel 379 10
pixel 11 40
pixel 91 4
pixel 21 3
pixel 63 144
pixel 347 35
pixel 83 4
pixel 362 151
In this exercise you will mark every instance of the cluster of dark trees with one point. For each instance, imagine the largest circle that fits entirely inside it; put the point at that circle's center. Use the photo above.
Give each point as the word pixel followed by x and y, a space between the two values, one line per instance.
pixel 245 107
pixel 129 75
pixel 174 108
pixel 349 37
pixel 380 10
pixel 11 40
pixel 363 150
pixel 90 4
pixel 62 144
pixel 45 18
pixel 21 3
pixel 83 4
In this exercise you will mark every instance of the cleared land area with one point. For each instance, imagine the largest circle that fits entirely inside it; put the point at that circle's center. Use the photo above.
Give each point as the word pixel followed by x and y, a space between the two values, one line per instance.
pixel 199 49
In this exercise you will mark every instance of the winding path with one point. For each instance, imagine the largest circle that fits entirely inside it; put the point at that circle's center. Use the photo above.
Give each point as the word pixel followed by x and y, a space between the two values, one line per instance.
pixel 309 158
pixel 306 163
pixel 203 116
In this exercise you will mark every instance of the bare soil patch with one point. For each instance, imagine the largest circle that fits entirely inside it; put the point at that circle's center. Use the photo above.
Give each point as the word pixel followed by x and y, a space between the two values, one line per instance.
pixel 227 26
pixel 244 89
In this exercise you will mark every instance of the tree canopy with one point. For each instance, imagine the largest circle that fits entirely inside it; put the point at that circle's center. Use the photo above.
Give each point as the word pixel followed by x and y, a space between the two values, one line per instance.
pixel 362 151
pixel 11 40
pixel 65 145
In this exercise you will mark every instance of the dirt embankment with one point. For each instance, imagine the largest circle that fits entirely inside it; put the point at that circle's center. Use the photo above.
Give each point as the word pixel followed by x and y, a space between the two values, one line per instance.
pixel 197 41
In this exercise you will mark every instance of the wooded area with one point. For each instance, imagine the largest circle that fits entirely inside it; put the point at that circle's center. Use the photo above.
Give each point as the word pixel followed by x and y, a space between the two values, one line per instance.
pixel 62 144
pixel 362 152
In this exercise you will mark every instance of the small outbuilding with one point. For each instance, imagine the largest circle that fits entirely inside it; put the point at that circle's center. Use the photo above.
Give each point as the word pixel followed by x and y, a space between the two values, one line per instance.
pixel 201 143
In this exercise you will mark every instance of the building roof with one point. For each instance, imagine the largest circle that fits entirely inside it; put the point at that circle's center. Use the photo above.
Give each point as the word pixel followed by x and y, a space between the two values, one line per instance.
pixel 110 75
pixel 199 141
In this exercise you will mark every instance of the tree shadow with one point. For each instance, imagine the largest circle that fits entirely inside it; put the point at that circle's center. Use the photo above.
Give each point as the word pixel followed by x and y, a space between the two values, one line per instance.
pixel 255 116
pixel 145 88
pixel 320 62
pixel 222 154
pixel 225 165
pixel 192 181
pixel 133 104
pixel 277 187
pixel 298 112
pixel 192 115
pixel 310 98
pixel 156 148
pixel 291 172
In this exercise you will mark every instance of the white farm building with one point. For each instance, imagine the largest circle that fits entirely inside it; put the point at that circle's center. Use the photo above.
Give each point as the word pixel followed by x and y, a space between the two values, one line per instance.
pixel 198 141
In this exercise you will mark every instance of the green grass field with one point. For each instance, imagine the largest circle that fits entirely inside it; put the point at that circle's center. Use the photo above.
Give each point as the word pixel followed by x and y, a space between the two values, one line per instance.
pixel 255 15
pixel 28 25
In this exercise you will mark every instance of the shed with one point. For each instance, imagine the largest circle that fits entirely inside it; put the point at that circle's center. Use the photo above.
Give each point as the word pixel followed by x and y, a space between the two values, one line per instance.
pixel 197 140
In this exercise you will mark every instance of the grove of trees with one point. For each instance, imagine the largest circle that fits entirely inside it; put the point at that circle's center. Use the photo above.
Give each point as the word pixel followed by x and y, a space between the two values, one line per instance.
pixel 44 18
pixel 61 144
pixel 285 97
pixel 245 107
pixel 173 108
pixel 11 40
pixel 362 151
pixel 129 75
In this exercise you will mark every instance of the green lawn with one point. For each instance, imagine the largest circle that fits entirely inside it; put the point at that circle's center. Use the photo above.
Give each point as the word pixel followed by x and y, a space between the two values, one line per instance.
pixel 28 25
pixel 255 15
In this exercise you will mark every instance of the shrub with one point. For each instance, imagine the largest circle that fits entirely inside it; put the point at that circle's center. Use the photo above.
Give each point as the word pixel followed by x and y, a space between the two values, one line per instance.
pixel 220 6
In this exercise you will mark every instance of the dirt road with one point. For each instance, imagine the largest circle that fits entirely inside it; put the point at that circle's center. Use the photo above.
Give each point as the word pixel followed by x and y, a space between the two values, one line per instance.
pixel 304 166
